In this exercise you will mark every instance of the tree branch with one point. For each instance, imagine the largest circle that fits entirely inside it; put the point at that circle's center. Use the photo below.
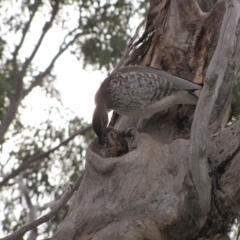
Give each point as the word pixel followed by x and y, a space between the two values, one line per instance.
pixel 32 209
pixel 40 157
pixel 18 75
pixel 62 202
pixel 45 29
pixel 214 101
pixel 24 191
pixel 24 33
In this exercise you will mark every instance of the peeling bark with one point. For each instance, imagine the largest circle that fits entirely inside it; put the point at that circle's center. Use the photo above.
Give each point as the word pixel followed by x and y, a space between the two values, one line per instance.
pixel 181 181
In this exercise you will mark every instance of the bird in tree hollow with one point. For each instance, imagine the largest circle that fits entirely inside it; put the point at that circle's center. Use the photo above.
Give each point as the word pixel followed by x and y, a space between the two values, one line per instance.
pixel 141 92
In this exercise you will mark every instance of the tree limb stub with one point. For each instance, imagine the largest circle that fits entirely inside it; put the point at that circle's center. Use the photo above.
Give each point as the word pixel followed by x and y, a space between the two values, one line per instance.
pixel 153 175
pixel 155 179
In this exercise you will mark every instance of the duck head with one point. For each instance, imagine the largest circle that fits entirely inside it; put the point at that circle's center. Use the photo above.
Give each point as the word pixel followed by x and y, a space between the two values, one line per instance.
pixel 100 121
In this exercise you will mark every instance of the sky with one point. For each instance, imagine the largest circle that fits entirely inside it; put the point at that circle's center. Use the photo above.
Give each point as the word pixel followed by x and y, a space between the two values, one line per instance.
pixel 78 86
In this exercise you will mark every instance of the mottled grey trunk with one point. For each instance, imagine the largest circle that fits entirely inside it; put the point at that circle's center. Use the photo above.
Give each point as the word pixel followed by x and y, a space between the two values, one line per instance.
pixel 181 178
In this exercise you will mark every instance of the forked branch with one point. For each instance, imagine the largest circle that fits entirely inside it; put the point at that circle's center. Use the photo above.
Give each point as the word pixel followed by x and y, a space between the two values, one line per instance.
pixel 214 101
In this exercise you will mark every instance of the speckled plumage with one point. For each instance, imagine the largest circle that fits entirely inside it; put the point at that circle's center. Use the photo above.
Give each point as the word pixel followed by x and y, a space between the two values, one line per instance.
pixel 129 92
pixel 141 92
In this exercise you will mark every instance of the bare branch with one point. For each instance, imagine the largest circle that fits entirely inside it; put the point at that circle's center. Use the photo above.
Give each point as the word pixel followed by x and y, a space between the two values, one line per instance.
pixel 24 33
pixel 32 214
pixel 64 46
pixel 24 191
pixel 129 47
pixel 45 29
pixel 19 233
pixel 40 157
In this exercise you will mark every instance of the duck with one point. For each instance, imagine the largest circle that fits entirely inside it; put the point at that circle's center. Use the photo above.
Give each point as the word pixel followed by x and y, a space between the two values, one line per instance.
pixel 141 92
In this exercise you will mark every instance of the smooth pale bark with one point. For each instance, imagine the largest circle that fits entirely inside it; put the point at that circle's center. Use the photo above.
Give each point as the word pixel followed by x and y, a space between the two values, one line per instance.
pixel 179 181
pixel 214 102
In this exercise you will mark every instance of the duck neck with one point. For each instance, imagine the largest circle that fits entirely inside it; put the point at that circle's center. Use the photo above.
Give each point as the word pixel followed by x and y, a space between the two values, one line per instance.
pixel 100 121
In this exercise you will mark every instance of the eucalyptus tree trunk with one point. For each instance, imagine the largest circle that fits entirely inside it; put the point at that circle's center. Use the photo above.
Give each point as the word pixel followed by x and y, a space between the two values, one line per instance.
pixel 180 177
